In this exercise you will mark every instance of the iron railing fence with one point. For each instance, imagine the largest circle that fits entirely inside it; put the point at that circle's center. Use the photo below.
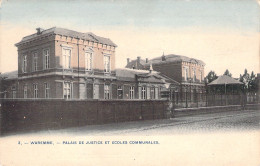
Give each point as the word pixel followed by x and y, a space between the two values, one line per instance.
pixel 191 99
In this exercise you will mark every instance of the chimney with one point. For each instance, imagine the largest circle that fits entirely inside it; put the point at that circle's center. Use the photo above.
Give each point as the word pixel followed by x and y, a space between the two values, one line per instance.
pixel 138 59
pixel 128 60
pixel 39 31
pixel 163 57
pixel 151 68
pixel 146 60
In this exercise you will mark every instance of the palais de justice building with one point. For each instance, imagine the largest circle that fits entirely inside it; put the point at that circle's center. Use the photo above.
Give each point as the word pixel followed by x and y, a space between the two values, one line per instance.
pixel 65 64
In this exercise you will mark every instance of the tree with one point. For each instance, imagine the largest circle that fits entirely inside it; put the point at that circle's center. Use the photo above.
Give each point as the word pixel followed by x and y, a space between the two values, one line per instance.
pixel 3 85
pixel 211 76
pixel 227 73
pixel 245 79
pixel 250 82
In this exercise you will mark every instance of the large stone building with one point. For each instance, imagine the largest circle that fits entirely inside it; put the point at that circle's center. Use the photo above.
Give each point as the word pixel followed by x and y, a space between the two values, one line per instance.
pixel 65 64
pixel 189 72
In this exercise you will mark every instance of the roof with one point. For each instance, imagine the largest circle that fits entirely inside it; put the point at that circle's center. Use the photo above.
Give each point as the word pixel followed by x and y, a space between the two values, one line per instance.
pixel 224 79
pixel 174 58
pixel 10 75
pixel 126 74
pixel 129 74
pixel 66 32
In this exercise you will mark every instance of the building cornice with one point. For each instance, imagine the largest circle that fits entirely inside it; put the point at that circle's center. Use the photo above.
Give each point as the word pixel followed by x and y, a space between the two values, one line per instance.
pixel 66 74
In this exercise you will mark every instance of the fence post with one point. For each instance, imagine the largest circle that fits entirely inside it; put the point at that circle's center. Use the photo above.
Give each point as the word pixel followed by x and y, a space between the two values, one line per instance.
pixel 164 111
pixel 115 117
pixel 177 93
pixel 131 115
pixel 221 99
pixel 153 109
pixel 186 99
pixel 97 112
pixel 206 97
pixel 197 100
pixel 141 110
pixel 1 118
pixel 226 99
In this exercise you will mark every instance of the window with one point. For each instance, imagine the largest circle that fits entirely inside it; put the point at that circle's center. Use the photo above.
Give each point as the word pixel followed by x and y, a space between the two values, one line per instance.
pixel 194 75
pixel 120 92
pixel 46 56
pixel 152 93
pixel 67 90
pixel 13 92
pixel 35 90
pixel 35 61
pixel 24 68
pixel 107 63
pixel 143 93
pixel 201 76
pixel 106 92
pixel 132 92
pixel 47 90
pixel 66 52
pixel 88 61
pixel 186 72
pixel 25 91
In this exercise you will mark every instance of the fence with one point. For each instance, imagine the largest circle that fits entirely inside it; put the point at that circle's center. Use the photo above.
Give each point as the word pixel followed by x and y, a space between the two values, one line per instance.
pixel 190 100
pixel 19 115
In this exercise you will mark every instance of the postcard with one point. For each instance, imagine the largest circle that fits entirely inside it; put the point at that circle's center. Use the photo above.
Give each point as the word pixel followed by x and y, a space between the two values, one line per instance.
pixel 121 82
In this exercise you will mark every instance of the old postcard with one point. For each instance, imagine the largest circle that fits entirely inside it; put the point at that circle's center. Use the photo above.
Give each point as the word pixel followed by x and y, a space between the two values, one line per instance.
pixel 121 82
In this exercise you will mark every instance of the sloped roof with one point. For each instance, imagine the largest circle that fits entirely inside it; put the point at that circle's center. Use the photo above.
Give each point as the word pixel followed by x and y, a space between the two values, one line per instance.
pixel 224 79
pixel 174 58
pixel 66 32
pixel 10 75
pixel 130 74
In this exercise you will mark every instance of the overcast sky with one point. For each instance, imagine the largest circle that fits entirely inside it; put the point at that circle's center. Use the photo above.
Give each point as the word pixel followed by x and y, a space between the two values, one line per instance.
pixel 222 33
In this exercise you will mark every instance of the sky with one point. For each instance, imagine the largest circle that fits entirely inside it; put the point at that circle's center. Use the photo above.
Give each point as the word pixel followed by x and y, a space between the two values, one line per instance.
pixel 222 33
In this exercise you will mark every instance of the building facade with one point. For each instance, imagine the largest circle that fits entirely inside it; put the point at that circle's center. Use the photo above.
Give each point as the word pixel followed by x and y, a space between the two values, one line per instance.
pixel 61 63
pixel 65 64
pixel 189 72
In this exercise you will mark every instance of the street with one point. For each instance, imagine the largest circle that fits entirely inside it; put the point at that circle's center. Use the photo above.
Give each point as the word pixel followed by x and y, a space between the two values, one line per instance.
pixel 222 121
